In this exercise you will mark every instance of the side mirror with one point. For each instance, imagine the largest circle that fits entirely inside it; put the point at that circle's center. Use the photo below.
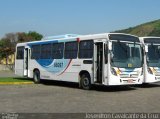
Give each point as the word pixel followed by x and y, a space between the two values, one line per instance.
pixel 112 56
pixel 109 45
pixel 146 48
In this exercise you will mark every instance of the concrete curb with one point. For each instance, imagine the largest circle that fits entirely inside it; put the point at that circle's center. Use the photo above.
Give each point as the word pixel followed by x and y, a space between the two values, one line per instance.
pixel 15 83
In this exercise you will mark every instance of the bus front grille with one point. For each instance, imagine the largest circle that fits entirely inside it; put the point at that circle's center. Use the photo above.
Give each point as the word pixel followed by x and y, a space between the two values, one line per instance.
pixel 128 75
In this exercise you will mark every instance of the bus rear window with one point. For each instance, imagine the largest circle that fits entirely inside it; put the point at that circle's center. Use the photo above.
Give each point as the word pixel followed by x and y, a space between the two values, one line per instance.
pixel 20 52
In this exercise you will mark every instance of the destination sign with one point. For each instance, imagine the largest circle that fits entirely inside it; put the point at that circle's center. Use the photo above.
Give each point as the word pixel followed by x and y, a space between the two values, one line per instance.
pixel 152 40
pixel 123 37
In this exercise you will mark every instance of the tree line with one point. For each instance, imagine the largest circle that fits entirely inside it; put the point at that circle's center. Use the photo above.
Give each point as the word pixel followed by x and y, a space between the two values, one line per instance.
pixel 9 41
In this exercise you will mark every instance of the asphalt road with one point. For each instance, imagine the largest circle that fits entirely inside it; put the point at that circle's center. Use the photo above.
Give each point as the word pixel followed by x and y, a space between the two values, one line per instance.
pixel 61 97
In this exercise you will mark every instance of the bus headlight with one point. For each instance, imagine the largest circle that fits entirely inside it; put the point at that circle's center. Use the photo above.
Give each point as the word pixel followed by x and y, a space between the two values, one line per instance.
pixel 149 70
pixel 113 71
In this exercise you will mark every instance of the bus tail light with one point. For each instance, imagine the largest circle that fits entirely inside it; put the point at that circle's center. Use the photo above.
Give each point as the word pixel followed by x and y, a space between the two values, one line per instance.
pixel 78 40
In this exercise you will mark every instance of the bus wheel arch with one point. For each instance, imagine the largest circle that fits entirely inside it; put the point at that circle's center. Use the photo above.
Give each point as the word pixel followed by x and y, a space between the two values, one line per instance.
pixel 36 76
pixel 84 80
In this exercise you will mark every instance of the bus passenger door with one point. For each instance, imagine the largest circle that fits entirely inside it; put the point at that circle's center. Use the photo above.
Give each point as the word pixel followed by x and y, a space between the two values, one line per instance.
pixel 25 64
pixel 98 62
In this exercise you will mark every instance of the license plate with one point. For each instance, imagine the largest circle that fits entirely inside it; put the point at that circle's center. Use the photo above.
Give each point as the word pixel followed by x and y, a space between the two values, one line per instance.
pixel 130 80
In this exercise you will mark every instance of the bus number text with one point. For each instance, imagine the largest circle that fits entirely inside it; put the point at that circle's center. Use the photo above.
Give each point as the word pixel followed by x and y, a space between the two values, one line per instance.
pixel 58 64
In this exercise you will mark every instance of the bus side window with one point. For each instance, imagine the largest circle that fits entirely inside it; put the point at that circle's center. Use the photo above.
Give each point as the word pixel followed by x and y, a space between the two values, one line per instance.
pixel 46 51
pixel 20 52
pixel 35 52
pixel 57 50
pixel 86 49
pixel 71 49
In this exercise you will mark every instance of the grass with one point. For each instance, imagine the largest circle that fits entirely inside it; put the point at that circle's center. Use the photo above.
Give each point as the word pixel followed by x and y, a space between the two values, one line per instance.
pixel 11 79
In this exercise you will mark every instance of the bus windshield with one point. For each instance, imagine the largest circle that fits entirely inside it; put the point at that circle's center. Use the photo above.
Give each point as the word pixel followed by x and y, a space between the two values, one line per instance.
pixel 153 55
pixel 126 55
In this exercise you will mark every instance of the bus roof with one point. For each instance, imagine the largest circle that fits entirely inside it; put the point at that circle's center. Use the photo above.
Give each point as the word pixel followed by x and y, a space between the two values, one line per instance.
pixel 60 36
pixel 150 39
pixel 74 36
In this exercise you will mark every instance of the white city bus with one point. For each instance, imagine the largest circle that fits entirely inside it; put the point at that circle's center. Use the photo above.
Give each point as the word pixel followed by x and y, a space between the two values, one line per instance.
pixel 151 67
pixel 107 59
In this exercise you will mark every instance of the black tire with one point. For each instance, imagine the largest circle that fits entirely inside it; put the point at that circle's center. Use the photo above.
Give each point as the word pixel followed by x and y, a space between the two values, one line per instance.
pixel 85 81
pixel 36 77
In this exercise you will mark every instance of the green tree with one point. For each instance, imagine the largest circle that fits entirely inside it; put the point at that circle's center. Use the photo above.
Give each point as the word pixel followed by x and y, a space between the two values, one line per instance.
pixel 30 36
pixel 34 35
pixel 5 49
pixel 8 43
pixel 22 37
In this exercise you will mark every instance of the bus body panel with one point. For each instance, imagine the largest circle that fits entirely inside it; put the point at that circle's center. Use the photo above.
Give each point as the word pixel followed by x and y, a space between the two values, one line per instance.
pixel 19 68
pixel 54 73
pixel 19 60
pixel 126 76
pixel 70 69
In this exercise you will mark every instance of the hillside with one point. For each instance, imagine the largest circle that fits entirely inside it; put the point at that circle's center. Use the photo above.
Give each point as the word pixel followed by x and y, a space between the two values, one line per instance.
pixel 147 29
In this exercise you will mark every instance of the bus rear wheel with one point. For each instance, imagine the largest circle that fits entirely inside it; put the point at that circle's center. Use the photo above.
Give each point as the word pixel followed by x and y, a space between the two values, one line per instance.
pixel 85 81
pixel 36 76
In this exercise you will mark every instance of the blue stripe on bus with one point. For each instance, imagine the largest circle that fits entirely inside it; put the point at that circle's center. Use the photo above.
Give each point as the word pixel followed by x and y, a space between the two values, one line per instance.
pixel 50 65
pixel 44 62
pixel 50 41
pixel 129 70
pixel 58 69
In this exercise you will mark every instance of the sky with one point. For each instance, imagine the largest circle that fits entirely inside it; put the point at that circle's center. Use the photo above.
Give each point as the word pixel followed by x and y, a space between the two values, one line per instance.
pixel 57 17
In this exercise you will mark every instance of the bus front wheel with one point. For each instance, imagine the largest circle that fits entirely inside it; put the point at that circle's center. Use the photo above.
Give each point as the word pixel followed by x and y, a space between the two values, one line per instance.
pixel 85 81
pixel 36 76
